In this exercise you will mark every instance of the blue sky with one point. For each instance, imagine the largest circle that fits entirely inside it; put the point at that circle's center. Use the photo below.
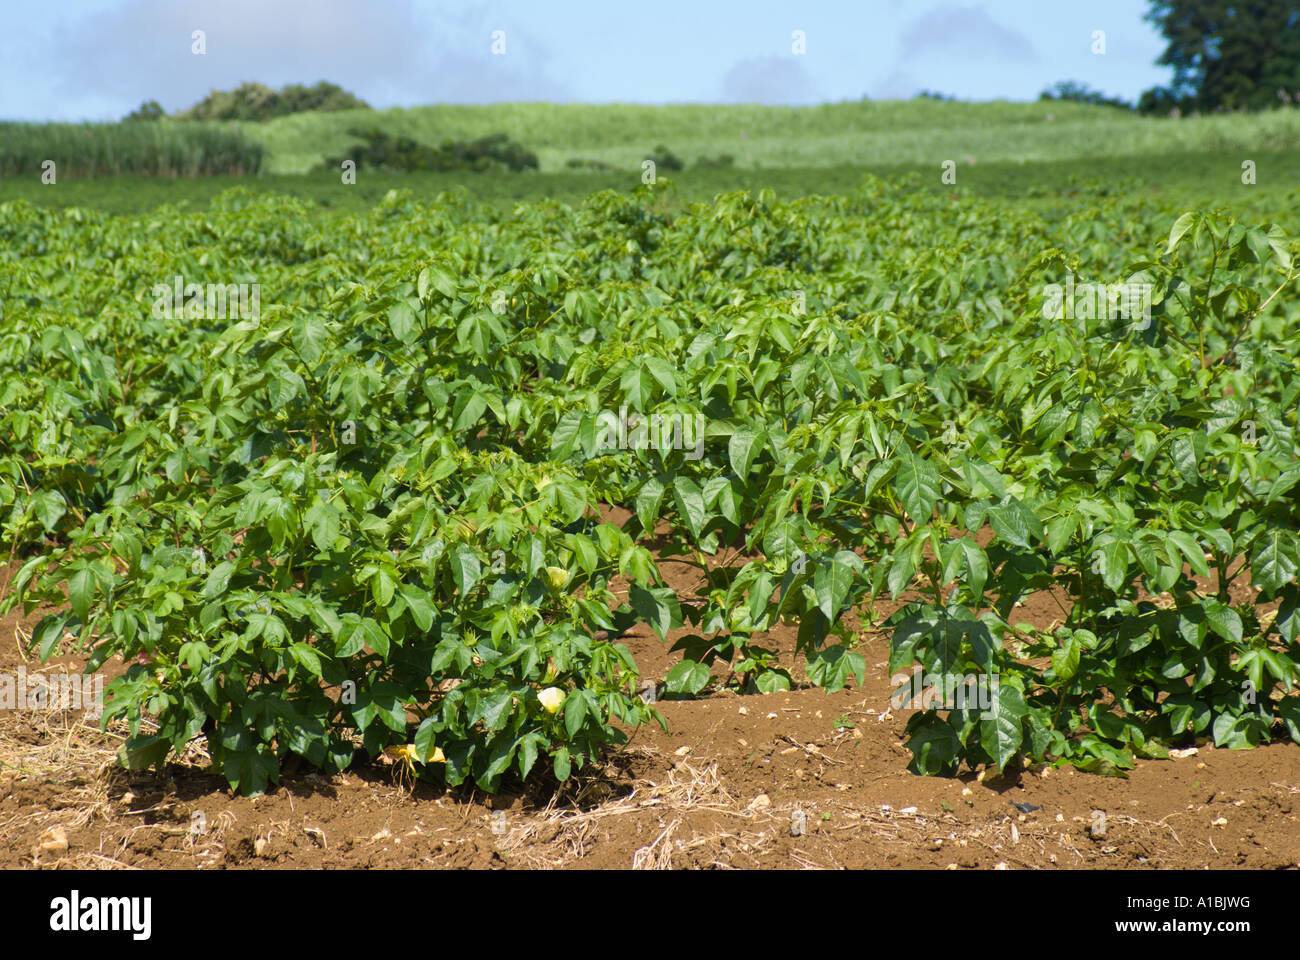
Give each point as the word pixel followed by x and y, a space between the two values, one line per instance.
pixel 98 59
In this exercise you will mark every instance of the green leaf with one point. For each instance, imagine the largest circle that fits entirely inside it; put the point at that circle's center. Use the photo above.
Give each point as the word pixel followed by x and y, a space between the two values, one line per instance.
pixel 306 657
pixel 1179 230
pixel 742 448
pixel 470 404
pixel 1001 729
pixel 142 752
pixel 435 278
pixel 686 678
pixel 81 591
pixel 466 567
pixel 575 712
pixel 918 486
pixel 833 666
pixel 1009 524
pixel 690 503
pixel 1114 564
pixel 934 745
pixel 1223 620
pixel 1275 561
pixel 832 582
pixel 1065 659
pixel 1277 239
pixel 657 607
pixel 1190 549
pixel 309 336
pixel 1184 455
pixel 772 681
pixel 977 565
pixel 417 602
pixel 403 322
pixel 563 767
pixel 1289 710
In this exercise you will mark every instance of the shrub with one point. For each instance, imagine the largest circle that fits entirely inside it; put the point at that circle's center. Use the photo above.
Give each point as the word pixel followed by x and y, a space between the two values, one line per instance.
pixel 664 158
pixel 1076 92
pixel 586 163
pixel 382 150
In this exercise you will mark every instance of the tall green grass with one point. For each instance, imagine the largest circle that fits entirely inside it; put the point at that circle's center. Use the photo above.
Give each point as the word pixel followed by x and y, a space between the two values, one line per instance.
pixel 862 133
pixel 107 149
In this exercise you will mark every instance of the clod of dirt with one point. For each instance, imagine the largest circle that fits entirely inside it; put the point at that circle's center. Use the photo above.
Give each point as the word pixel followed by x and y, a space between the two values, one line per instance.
pixel 54 841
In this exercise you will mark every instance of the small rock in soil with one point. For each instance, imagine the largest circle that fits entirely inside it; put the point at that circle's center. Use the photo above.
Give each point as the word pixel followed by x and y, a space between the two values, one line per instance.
pixel 54 840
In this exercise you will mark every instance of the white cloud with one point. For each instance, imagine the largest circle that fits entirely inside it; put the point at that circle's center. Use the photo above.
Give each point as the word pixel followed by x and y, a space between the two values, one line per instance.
pixel 386 51
pixel 769 80
pixel 967 32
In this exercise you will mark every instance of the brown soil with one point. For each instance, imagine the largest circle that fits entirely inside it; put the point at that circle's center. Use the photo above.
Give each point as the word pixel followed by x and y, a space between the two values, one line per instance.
pixel 720 789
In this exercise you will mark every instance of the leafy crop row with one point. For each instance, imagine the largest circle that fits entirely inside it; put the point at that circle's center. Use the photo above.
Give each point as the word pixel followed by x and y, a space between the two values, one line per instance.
pixel 380 513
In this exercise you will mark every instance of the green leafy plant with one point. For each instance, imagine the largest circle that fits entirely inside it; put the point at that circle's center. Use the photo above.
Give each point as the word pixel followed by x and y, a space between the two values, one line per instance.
pixel 388 515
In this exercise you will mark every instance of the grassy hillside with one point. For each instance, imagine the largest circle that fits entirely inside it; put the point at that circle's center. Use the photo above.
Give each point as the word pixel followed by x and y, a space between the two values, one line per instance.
pixel 864 133
pixel 1001 149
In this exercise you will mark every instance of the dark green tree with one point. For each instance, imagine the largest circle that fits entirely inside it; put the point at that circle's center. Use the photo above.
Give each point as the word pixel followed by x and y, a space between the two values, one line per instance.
pixel 255 101
pixel 1226 54
pixel 149 110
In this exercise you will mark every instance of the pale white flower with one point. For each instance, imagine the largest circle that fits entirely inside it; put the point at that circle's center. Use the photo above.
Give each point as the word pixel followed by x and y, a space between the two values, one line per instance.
pixel 552 698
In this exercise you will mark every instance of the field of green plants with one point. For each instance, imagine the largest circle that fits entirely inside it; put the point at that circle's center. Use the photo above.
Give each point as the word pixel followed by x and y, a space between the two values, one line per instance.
pixel 375 512
pixel 1207 179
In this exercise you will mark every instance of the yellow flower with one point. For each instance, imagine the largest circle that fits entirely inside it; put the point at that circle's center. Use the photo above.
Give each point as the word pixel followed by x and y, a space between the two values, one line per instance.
pixel 558 576
pixel 406 754
pixel 552 698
